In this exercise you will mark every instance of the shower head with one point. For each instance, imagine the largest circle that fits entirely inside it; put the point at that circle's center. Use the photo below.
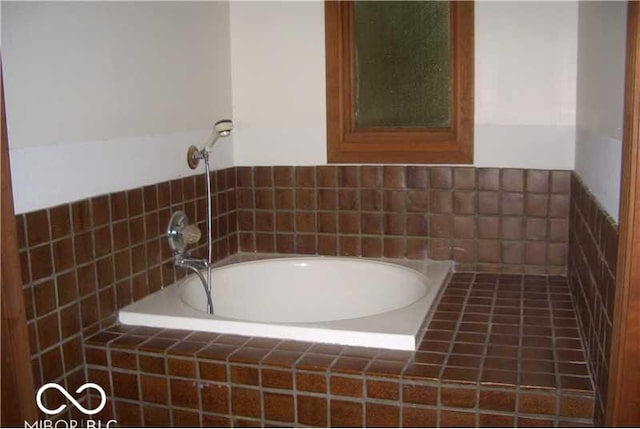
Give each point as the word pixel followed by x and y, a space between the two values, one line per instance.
pixel 220 129
pixel 223 127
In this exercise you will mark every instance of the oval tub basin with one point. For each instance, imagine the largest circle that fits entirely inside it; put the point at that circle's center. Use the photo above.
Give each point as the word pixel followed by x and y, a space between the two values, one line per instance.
pixel 349 301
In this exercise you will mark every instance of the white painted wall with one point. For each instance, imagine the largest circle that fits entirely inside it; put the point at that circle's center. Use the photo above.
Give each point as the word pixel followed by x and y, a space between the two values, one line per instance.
pixel 278 75
pixel 600 102
pixel 525 83
pixel 105 96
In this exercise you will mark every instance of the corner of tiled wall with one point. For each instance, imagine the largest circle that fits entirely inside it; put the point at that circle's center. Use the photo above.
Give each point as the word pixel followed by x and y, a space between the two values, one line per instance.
pixel 593 248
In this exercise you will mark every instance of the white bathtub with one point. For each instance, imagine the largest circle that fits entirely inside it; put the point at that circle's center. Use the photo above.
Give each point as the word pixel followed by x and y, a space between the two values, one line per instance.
pixel 350 301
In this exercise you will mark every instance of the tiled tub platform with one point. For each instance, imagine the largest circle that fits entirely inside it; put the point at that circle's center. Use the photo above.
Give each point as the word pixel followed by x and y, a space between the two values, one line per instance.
pixel 499 350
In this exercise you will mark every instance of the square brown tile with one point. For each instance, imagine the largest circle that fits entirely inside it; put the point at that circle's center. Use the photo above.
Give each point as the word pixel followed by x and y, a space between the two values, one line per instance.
pixel 277 379
pixel 44 297
pixel 488 179
pixel 513 180
pixel 156 416
pixel 305 199
pixel 532 403
pixel 305 177
pixel 41 262
pixel 537 181
pixel 497 400
pixel 460 375
pixel 312 410
pixel 419 394
pixel 418 201
pixel 559 206
pixel 283 177
pixel 125 385
pixel 128 414
pixel 393 176
pixel 311 382
pixel 536 205
pixel 576 406
pixel 284 199
pixel 464 202
pixel 60 221
pixel 457 419
pixel 327 199
pixel 187 418
pixel 488 250
pixel 560 181
pixel 370 200
pixel 81 216
pixel 371 247
pixel 152 364
pixel 458 397
pixel 464 177
pixel 279 407
pixel 495 420
pixel 154 389
pixel 383 390
pixel 244 375
pixel 370 176
pixel 348 176
pixel 441 202
pixel 345 413
pixel 417 177
pixel 382 415
pixel 419 417
pixel 326 176
pixel 245 402
pixel 394 200
pixel 441 178
pixel 244 176
pixel 37 227
pixel 464 227
pixel 343 386
pixel 262 177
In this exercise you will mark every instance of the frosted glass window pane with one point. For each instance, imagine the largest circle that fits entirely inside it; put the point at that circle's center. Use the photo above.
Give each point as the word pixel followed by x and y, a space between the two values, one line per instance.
pixel 403 64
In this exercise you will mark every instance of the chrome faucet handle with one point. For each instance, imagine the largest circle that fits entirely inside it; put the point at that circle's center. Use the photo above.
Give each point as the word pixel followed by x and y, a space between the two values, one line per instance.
pixel 181 234
pixel 191 234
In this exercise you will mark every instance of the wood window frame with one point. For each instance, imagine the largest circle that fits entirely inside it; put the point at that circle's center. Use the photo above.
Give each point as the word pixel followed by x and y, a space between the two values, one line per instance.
pixel 347 144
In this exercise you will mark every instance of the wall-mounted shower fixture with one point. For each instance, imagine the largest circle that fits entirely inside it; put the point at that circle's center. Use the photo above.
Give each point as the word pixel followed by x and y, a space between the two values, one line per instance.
pixel 220 129
pixel 180 235
pixel 194 155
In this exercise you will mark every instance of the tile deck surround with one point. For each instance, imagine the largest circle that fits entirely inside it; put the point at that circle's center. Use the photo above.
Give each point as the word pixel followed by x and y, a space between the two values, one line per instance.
pixel 499 350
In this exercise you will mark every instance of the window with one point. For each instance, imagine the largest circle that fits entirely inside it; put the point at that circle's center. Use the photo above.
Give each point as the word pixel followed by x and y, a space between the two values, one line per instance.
pixel 399 81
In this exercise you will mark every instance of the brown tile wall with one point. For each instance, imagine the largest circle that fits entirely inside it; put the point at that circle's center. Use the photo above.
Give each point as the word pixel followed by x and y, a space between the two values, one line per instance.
pixel 593 253
pixel 499 351
pixel 83 261
pixel 486 219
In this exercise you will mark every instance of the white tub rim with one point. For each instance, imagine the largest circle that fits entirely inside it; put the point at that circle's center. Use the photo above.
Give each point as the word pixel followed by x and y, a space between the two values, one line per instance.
pixel 372 331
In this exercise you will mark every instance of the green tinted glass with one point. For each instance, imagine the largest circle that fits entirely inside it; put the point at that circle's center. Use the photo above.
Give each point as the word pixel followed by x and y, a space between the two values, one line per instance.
pixel 403 64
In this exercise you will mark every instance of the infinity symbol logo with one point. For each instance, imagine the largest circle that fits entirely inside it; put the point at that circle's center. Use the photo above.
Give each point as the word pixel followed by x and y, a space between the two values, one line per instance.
pixel 103 398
